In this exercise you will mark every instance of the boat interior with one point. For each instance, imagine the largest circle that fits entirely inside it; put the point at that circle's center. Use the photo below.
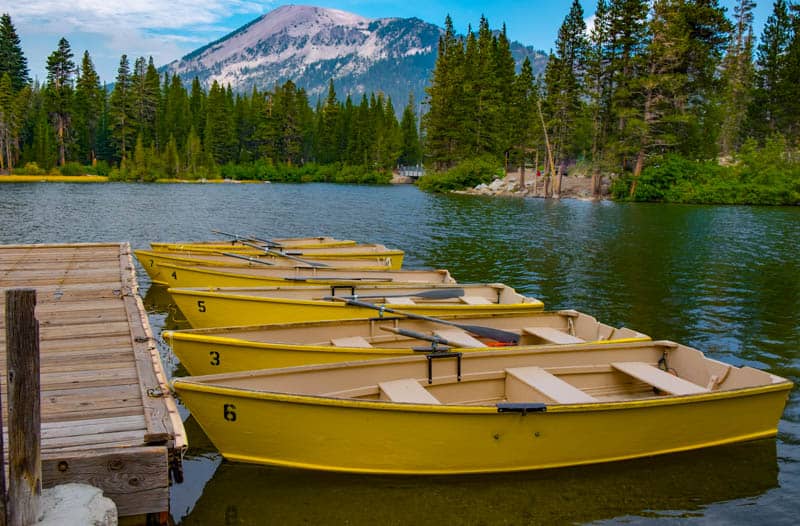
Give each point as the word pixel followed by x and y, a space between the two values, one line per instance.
pixel 396 294
pixel 519 379
pixel 396 332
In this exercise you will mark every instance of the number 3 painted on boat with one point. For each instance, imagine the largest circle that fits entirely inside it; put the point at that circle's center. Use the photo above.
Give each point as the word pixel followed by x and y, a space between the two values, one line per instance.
pixel 229 411
pixel 214 357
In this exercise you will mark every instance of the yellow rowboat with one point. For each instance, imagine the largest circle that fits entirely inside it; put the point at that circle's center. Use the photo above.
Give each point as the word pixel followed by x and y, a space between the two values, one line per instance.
pixel 358 252
pixel 151 261
pixel 486 412
pixel 203 276
pixel 286 242
pixel 221 307
pixel 227 349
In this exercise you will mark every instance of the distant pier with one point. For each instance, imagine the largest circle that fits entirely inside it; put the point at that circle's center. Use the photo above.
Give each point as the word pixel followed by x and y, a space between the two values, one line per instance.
pixel 108 417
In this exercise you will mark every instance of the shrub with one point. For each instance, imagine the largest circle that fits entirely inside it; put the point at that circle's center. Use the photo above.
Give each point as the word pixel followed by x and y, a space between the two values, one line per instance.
pixel 466 174
pixel 72 169
pixel 30 169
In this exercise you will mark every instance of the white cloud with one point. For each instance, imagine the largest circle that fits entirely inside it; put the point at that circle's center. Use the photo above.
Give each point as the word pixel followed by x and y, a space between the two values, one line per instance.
pixel 107 16
pixel 590 24
pixel 163 29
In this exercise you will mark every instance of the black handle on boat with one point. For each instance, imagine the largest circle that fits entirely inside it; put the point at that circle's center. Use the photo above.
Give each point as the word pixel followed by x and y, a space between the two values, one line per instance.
pixel 285 255
pixel 433 294
pixel 478 330
pixel 237 237
pixel 246 258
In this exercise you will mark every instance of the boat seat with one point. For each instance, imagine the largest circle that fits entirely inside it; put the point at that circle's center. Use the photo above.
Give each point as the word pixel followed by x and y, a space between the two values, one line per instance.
pixel 547 384
pixel 352 341
pixel 460 338
pixel 661 380
pixel 406 390
pixel 400 301
pixel 475 300
pixel 551 335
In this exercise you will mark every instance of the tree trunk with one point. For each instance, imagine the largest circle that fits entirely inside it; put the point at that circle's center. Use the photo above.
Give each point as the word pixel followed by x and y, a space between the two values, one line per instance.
pixel 637 171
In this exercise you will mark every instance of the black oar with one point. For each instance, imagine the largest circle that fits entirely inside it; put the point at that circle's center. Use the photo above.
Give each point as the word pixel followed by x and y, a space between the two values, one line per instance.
pixel 284 255
pixel 478 330
pixel 237 237
pixel 433 294
pixel 246 258
pixel 436 340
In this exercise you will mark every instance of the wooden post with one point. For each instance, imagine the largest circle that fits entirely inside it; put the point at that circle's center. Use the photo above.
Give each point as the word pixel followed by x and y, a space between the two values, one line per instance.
pixel 3 494
pixel 24 408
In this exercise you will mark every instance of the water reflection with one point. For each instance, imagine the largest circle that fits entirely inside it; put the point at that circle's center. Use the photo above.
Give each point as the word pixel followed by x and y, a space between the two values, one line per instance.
pixel 675 486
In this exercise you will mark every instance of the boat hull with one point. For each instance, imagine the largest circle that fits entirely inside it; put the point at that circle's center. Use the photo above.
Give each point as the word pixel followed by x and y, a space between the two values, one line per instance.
pixel 393 256
pixel 204 309
pixel 199 276
pixel 152 262
pixel 377 437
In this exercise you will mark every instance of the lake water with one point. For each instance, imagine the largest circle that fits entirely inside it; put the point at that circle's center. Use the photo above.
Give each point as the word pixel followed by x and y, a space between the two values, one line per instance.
pixel 723 279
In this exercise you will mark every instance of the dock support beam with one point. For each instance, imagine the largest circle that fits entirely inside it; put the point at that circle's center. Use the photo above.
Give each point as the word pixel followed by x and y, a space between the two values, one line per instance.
pixel 24 409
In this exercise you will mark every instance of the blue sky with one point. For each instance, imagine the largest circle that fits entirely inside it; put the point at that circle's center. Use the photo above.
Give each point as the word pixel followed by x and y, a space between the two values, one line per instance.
pixel 168 29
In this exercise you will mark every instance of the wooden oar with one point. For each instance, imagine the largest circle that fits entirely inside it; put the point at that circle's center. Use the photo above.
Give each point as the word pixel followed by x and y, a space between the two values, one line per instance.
pixel 478 330
pixel 237 237
pixel 284 255
pixel 434 294
pixel 251 260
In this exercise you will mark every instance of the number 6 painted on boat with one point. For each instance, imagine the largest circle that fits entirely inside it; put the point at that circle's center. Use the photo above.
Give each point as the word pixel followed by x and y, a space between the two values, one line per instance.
pixel 228 410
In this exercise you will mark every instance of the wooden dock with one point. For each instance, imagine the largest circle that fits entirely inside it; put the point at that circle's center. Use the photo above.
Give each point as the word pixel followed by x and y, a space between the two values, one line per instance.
pixel 108 417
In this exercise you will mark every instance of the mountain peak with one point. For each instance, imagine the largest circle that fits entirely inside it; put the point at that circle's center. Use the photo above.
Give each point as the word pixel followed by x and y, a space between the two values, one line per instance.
pixel 311 45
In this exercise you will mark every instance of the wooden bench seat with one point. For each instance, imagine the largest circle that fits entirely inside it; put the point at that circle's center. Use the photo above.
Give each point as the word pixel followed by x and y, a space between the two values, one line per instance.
pixel 545 383
pixel 551 335
pixel 459 338
pixel 406 390
pixel 352 341
pixel 475 300
pixel 661 380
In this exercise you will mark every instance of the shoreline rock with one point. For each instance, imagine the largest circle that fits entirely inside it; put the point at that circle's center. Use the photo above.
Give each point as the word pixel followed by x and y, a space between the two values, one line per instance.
pixel 572 187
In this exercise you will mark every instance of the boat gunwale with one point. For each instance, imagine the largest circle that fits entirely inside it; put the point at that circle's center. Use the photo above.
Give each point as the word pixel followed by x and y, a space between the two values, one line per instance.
pixel 445 274
pixel 381 405
pixel 533 304
pixel 396 352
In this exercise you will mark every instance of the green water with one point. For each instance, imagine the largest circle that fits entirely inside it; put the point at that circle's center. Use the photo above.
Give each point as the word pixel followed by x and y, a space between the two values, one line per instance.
pixel 723 279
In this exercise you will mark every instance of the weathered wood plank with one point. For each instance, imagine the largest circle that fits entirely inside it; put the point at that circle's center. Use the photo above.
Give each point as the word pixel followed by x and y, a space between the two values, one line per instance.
pixel 136 479
pixel 156 414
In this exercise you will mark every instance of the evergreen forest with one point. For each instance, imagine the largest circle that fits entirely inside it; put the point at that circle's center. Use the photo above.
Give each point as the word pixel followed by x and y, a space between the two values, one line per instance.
pixel 678 100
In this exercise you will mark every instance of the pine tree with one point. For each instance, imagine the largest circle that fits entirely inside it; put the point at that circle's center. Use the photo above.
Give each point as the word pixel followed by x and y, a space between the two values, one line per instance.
pixel 563 75
pixel 738 78
pixel 767 110
pixel 12 60
pixel 89 100
pixel 8 121
pixel 411 150
pixel 219 140
pixel 121 111
pixel 442 123
pixel 328 139
pixel 790 81
pixel 597 84
pixel 60 71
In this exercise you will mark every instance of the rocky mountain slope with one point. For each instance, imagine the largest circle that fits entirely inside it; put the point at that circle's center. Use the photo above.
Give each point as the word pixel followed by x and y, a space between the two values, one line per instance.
pixel 310 45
